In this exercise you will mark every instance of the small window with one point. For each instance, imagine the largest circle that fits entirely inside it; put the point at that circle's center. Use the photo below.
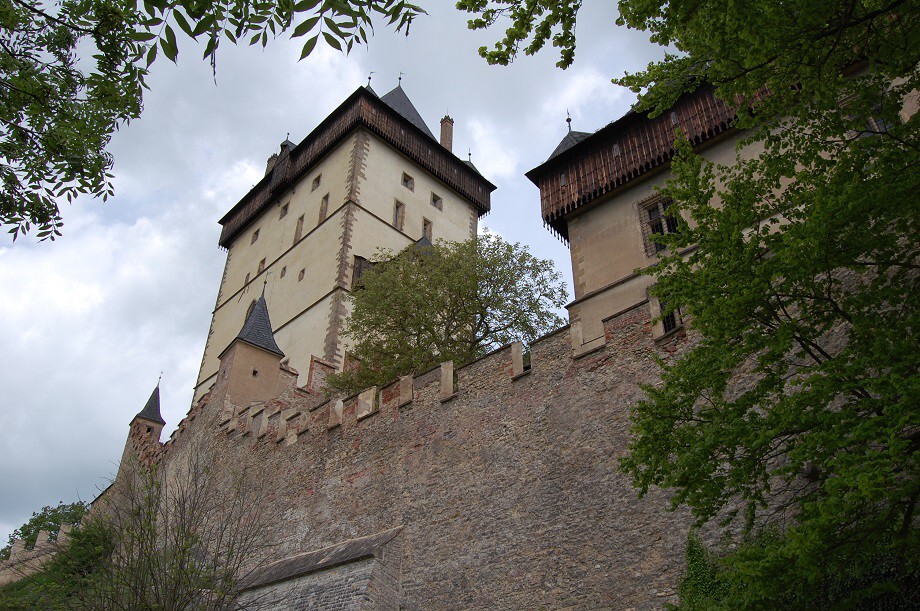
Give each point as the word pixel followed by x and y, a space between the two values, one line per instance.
pixel 399 214
pixel 246 281
pixel 616 149
pixel 674 120
pixel 324 208
pixel 672 319
pixel 255 236
pixel 436 201
pixel 298 232
pixel 426 229
pixel 283 271
pixel 562 179
pixel 408 182
pixel 300 275
pixel 361 266
pixel 252 306
pixel 261 266
pixel 316 181
pixel 284 211
pixel 657 222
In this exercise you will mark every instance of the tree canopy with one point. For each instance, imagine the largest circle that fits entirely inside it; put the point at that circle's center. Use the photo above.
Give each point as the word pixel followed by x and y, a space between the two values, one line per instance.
pixel 72 72
pixel 446 302
pixel 798 404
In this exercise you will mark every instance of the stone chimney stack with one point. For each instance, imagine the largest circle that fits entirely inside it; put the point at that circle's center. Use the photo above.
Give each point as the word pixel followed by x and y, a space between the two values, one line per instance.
pixel 447 133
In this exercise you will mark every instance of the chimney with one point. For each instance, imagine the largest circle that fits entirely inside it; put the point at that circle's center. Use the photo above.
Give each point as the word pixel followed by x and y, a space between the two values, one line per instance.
pixel 447 133
pixel 271 163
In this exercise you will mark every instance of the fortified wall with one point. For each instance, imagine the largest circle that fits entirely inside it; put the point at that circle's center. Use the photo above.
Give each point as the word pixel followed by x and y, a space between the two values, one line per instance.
pixel 492 486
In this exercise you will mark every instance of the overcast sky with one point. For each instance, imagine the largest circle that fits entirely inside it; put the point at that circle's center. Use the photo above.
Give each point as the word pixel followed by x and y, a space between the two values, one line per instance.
pixel 87 323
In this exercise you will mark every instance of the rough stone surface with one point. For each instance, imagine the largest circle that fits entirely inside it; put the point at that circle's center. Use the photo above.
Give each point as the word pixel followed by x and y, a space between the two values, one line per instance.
pixel 508 495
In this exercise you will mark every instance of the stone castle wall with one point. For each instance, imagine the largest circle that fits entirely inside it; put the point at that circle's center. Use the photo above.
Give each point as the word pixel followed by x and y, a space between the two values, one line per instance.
pixel 504 493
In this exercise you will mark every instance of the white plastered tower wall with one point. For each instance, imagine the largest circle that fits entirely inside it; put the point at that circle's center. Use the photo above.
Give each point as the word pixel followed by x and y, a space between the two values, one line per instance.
pixel 302 244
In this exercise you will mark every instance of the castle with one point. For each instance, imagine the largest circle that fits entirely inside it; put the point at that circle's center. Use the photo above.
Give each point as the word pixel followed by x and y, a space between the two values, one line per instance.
pixel 480 485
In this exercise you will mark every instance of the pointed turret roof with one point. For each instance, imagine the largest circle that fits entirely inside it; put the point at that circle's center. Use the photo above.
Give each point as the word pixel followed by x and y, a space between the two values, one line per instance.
pixel 257 330
pixel 399 101
pixel 571 139
pixel 151 411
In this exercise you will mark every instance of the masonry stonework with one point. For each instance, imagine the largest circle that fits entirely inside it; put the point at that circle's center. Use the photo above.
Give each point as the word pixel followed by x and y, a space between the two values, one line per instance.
pixel 507 496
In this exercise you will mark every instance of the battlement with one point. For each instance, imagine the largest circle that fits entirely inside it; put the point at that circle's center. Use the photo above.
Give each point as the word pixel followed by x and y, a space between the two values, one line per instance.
pixel 24 562
pixel 303 414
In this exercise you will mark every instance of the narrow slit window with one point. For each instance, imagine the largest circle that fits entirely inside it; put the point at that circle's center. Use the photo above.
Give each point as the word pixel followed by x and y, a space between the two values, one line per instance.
pixel 298 232
pixel 399 214
pixel 324 208
pixel 284 211
pixel 261 266
pixel 426 229
pixel 255 236
pixel 316 181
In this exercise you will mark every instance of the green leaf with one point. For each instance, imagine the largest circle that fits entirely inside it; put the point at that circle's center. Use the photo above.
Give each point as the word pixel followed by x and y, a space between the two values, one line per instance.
pixel 308 46
pixel 332 41
pixel 183 24
pixel 305 27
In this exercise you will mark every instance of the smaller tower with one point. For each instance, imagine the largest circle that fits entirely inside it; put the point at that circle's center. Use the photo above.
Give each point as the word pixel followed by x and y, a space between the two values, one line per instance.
pixel 250 365
pixel 144 435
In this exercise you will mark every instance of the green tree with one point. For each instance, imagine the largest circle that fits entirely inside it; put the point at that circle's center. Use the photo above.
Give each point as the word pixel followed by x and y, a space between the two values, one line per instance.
pixel 448 301
pixel 48 519
pixel 803 282
pixel 73 71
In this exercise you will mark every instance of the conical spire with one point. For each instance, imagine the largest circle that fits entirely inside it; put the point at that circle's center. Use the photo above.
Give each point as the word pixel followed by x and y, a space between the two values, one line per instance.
pixel 399 101
pixel 257 330
pixel 151 411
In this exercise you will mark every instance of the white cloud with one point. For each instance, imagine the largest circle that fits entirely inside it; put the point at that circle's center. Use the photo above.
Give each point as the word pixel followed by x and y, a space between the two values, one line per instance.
pixel 88 322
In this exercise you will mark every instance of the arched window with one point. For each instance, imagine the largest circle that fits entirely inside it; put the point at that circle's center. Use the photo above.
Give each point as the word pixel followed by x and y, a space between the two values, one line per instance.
pixel 252 306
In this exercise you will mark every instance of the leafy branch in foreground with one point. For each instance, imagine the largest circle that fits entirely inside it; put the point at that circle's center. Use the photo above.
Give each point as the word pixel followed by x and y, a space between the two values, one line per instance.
pixel 448 301
pixel 797 407
pixel 72 72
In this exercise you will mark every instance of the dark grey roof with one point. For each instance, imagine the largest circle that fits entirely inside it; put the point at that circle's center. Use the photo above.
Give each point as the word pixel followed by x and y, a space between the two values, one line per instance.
pixel 347 551
pixel 570 140
pixel 399 101
pixel 257 330
pixel 423 241
pixel 151 411
pixel 471 166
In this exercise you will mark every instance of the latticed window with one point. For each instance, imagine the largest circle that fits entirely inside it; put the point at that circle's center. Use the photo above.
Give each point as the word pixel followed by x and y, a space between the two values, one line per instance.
pixel 657 222
pixel 670 320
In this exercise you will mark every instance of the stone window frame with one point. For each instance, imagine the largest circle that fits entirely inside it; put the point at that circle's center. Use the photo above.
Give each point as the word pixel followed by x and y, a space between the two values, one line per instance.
pixel 661 223
pixel 427 229
pixel 298 230
pixel 399 214
pixel 437 201
pixel 668 323
pixel 323 208
pixel 284 211
pixel 408 182
pixel 255 237
pixel 316 182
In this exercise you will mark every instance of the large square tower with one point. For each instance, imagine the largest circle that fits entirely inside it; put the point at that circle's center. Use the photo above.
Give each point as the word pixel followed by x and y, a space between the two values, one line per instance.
pixel 370 176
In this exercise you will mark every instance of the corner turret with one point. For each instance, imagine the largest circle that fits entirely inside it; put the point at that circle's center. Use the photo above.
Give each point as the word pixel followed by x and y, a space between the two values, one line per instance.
pixel 251 365
pixel 144 436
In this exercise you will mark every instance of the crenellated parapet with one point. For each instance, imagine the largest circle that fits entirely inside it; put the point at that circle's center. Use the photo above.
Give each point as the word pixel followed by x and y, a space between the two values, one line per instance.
pixel 24 562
